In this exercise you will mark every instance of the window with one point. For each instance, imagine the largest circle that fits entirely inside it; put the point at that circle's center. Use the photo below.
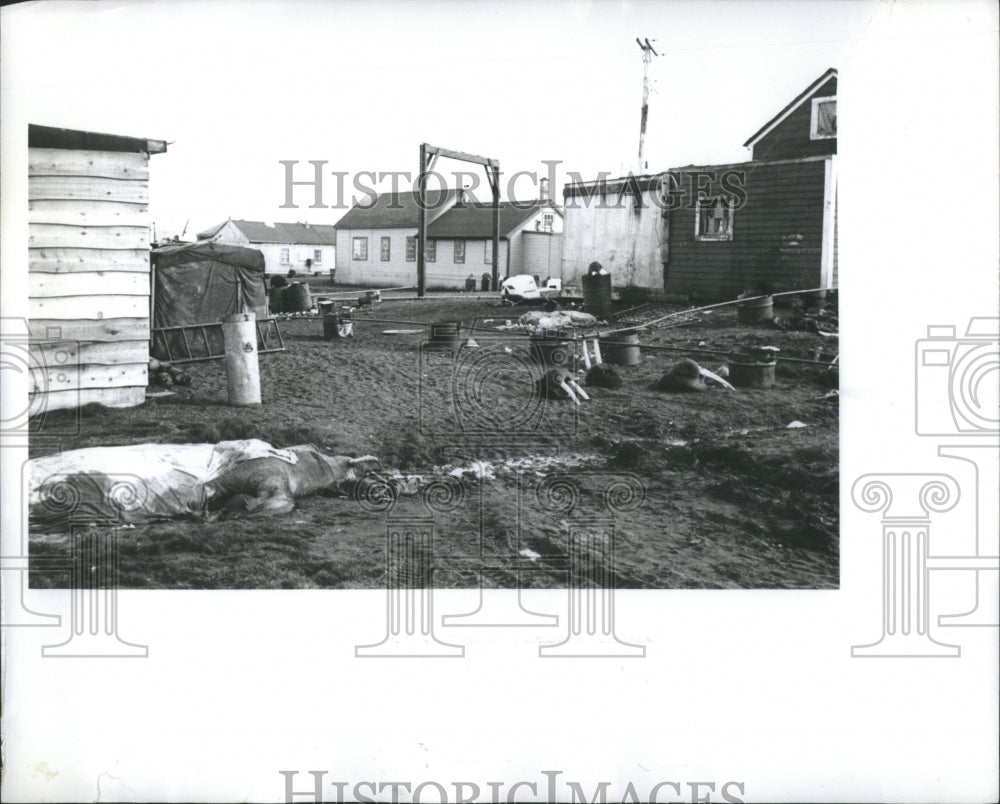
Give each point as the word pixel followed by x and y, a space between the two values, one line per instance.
pixel 385 249
pixel 317 256
pixel 824 119
pixel 285 256
pixel 547 222
pixel 459 251
pixel 432 250
pixel 488 254
pixel 411 249
pixel 713 219
pixel 360 250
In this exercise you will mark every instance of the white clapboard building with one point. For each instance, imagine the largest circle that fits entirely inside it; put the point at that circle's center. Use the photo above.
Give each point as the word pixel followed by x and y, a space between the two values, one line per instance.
pixel 88 266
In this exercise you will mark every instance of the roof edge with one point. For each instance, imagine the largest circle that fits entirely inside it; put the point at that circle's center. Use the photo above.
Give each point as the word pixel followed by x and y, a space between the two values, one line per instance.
pixel 799 99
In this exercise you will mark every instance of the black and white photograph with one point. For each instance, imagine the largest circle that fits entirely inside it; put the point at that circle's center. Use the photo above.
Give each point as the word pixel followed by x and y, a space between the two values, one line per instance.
pixel 350 347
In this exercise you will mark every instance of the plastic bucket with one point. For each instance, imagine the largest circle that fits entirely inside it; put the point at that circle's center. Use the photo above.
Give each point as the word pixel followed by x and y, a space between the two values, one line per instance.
pixel 751 375
pixel 755 311
pixel 597 295
pixel 621 349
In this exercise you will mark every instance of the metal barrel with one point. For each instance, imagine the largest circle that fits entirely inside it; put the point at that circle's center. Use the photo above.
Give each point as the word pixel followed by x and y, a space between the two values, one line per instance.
pixel 621 348
pixel 297 298
pixel 755 311
pixel 751 375
pixel 597 295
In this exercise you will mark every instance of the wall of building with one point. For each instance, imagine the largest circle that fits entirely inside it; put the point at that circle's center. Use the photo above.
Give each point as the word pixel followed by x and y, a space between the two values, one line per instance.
pixel 297 256
pixel 627 242
pixel 397 271
pixel 446 274
pixel 782 199
pixel 536 253
pixel 88 274
pixel 790 138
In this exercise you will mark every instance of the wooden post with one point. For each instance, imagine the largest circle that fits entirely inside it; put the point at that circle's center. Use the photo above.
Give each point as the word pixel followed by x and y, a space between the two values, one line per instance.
pixel 494 174
pixel 239 334
pixel 421 221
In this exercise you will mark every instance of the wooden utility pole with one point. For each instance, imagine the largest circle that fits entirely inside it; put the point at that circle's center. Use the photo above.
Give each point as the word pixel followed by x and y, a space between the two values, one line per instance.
pixel 647 55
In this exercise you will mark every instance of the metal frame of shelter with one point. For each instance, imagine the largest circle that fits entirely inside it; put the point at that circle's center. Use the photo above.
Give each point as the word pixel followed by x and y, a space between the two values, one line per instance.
pixel 428 156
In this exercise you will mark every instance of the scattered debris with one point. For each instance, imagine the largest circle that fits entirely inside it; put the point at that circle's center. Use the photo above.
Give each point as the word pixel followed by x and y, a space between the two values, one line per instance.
pixel 559 319
pixel 165 375
pixel 795 425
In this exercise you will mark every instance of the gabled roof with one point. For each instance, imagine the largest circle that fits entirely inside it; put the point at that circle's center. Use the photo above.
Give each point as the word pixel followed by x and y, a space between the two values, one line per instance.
pixel 474 221
pixel 801 98
pixel 303 234
pixel 73 140
pixel 394 210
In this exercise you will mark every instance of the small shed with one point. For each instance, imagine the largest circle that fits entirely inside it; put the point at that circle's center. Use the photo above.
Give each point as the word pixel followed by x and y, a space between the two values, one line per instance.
pixel 88 267
pixel 195 287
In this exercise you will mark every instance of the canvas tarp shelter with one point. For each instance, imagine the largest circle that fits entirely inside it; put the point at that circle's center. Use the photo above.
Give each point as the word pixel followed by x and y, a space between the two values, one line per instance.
pixel 195 287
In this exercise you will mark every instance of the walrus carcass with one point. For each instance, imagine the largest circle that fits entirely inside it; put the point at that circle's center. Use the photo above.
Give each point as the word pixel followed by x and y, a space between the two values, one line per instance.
pixel 147 482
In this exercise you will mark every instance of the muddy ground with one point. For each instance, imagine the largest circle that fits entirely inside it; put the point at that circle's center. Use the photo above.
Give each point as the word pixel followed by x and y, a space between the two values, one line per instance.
pixel 723 493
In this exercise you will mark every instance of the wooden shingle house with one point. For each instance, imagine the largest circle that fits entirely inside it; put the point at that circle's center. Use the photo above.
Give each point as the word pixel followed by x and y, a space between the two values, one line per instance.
pixel 706 232
pixel 305 248
pixel 88 267
pixel 379 240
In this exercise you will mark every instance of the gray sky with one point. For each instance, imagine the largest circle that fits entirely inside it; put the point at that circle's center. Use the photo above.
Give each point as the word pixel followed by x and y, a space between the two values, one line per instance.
pixel 236 87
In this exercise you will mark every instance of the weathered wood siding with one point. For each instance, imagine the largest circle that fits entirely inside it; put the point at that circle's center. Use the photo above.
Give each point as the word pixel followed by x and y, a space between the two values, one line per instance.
pixel 790 138
pixel 627 242
pixel 88 276
pixel 782 199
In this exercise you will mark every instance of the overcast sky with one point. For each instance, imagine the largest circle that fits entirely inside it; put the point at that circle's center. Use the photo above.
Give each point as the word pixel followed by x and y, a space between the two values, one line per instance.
pixel 236 87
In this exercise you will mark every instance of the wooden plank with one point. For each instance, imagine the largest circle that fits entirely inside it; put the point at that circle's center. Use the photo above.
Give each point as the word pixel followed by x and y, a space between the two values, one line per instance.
pixel 105 164
pixel 88 213
pixel 71 260
pixel 111 397
pixel 104 237
pixel 90 283
pixel 75 353
pixel 88 188
pixel 66 378
pixel 108 329
pixel 69 308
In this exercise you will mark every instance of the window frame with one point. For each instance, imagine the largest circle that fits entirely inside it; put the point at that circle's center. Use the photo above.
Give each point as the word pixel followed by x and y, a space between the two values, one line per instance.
pixel 459 258
pixel 431 251
pixel 411 248
pixel 487 253
pixel 714 238
pixel 548 221
pixel 317 257
pixel 355 242
pixel 814 118
pixel 285 256
pixel 385 249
